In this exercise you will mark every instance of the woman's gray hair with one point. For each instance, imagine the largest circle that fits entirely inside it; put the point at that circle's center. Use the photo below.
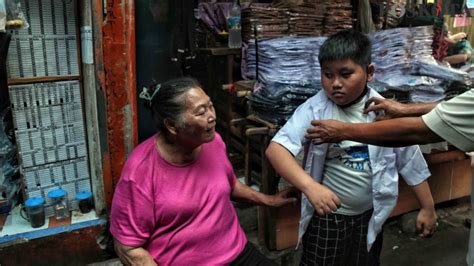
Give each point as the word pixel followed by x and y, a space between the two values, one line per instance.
pixel 167 100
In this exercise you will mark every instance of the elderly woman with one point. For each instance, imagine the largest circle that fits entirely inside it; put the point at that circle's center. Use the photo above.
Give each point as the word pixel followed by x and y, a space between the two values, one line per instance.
pixel 172 205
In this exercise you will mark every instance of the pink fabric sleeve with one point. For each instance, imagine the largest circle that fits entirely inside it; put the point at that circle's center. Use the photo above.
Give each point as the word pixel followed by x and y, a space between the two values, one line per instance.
pixel 132 216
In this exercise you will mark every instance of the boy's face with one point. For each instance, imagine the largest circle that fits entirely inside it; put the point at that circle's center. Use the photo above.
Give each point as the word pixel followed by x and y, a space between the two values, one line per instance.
pixel 344 80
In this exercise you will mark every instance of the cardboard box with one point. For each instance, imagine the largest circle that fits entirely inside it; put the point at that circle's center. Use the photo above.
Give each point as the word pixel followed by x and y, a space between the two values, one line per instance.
pixel 278 227
pixel 449 180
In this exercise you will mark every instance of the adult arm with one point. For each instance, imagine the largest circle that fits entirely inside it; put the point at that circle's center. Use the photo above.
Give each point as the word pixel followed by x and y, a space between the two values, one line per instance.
pixel 426 219
pixel 397 132
pixel 133 255
pixel 393 109
pixel 323 199
pixel 457 36
pixel 244 193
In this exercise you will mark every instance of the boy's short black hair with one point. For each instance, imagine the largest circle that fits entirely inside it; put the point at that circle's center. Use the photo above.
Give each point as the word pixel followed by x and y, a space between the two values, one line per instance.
pixel 347 44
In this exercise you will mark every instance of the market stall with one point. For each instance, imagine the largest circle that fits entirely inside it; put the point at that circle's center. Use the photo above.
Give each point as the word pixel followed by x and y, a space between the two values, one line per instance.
pixel 280 66
pixel 45 180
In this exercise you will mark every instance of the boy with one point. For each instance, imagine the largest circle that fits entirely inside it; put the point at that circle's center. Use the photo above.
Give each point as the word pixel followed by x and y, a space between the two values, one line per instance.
pixel 353 187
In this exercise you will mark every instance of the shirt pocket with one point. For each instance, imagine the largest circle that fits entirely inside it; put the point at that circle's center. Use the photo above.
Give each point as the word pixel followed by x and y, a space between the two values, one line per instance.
pixel 385 177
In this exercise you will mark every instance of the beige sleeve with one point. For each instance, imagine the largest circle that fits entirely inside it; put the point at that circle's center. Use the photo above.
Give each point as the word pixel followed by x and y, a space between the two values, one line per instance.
pixel 453 121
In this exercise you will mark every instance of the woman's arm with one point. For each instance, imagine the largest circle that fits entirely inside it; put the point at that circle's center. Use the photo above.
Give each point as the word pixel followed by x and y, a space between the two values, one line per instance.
pixel 133 256
pixel 244 193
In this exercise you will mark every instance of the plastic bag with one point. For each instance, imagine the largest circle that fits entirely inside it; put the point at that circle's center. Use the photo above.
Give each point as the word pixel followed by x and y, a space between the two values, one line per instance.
pixel 15 18
pixel 10 183
pixel 3 16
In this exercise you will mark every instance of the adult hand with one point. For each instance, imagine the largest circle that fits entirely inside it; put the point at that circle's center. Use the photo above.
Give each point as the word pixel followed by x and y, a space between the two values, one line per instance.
pixel 384 108
pixel 326 131
pixel 458 36
pixel 283 197
pixel 324 201
pixel 426 222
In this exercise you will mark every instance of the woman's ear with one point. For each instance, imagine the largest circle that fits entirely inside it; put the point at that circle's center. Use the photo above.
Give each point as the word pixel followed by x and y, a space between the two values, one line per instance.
pixel 171 127
pixel 370 72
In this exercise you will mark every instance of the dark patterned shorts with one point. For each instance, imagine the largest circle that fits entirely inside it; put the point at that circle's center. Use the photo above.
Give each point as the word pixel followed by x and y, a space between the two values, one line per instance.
pixel 337 239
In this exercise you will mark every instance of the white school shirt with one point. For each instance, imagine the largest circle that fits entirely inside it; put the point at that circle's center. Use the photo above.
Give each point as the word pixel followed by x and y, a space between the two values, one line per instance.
pixel 386 162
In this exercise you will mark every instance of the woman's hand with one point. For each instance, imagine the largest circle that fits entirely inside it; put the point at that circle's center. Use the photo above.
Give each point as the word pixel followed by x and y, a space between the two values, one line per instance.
pixel 426 222
pixel 283 197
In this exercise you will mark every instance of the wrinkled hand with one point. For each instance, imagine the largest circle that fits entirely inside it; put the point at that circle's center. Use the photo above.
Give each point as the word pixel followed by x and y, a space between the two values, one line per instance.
pixel 426 222
pixel 326 131
pixel 324 201
pixel 384 108
pixel 283 197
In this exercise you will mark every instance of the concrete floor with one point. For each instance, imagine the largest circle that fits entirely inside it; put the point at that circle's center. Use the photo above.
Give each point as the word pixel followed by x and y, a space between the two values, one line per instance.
pixel 447 247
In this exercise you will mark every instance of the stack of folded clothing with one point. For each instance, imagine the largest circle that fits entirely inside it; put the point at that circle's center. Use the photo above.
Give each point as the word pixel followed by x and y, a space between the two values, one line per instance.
pixel 404 63
pixel 427 94
pixel 455 88
pixel 264 21
pixel 276 102
pixel 338 16
pixel 307 19
pixel 401 94
pixel 288 74
pixel 395 51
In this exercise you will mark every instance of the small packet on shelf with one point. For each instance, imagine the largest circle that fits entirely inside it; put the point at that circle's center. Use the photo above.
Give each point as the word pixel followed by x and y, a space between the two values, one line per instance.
pixel 3 16
pixel 15 18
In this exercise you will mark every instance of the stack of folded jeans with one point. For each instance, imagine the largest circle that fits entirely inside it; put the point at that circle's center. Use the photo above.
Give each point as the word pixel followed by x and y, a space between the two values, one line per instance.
pixel 276 102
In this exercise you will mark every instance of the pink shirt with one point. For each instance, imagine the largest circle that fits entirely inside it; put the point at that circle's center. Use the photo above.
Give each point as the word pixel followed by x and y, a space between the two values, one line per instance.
pixel 181 214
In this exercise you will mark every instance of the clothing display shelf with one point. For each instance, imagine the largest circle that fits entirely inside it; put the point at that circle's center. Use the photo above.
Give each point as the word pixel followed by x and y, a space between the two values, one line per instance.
pixel 49 47
pixel 49 128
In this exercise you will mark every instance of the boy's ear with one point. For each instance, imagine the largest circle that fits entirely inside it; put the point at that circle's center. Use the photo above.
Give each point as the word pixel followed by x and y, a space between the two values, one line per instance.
pixel 370 72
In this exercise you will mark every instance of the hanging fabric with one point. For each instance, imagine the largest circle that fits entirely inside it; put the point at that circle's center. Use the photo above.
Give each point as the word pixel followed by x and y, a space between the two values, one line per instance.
pixel 4 44
pixel 183 28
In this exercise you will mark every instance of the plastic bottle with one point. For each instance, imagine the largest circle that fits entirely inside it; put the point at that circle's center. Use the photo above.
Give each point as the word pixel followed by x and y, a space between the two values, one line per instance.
pixel 233 23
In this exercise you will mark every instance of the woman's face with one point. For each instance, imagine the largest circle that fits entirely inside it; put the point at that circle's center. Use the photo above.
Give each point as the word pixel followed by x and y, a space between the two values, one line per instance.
pixel 199 118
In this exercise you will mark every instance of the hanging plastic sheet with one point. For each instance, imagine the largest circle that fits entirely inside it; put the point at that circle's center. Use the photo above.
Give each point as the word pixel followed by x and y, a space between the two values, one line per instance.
pixel 9 178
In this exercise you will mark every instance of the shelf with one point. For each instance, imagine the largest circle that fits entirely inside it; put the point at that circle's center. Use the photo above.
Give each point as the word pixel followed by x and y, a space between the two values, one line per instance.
pixel 42 79
pixel 16 229
pixel 220 51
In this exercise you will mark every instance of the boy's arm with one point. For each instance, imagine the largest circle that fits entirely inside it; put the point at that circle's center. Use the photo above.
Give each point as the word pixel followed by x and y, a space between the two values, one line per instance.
pixel 414 170
pixel 323 199
pixel 426 219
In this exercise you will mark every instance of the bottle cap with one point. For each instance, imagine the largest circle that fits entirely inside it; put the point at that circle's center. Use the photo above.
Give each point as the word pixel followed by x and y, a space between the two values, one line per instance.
pixel 57 193
pixel 83 195
pixel 34 202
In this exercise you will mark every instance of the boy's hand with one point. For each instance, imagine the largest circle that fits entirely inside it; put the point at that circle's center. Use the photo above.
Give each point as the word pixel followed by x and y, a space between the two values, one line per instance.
pixel 322 198
pixel 426 222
